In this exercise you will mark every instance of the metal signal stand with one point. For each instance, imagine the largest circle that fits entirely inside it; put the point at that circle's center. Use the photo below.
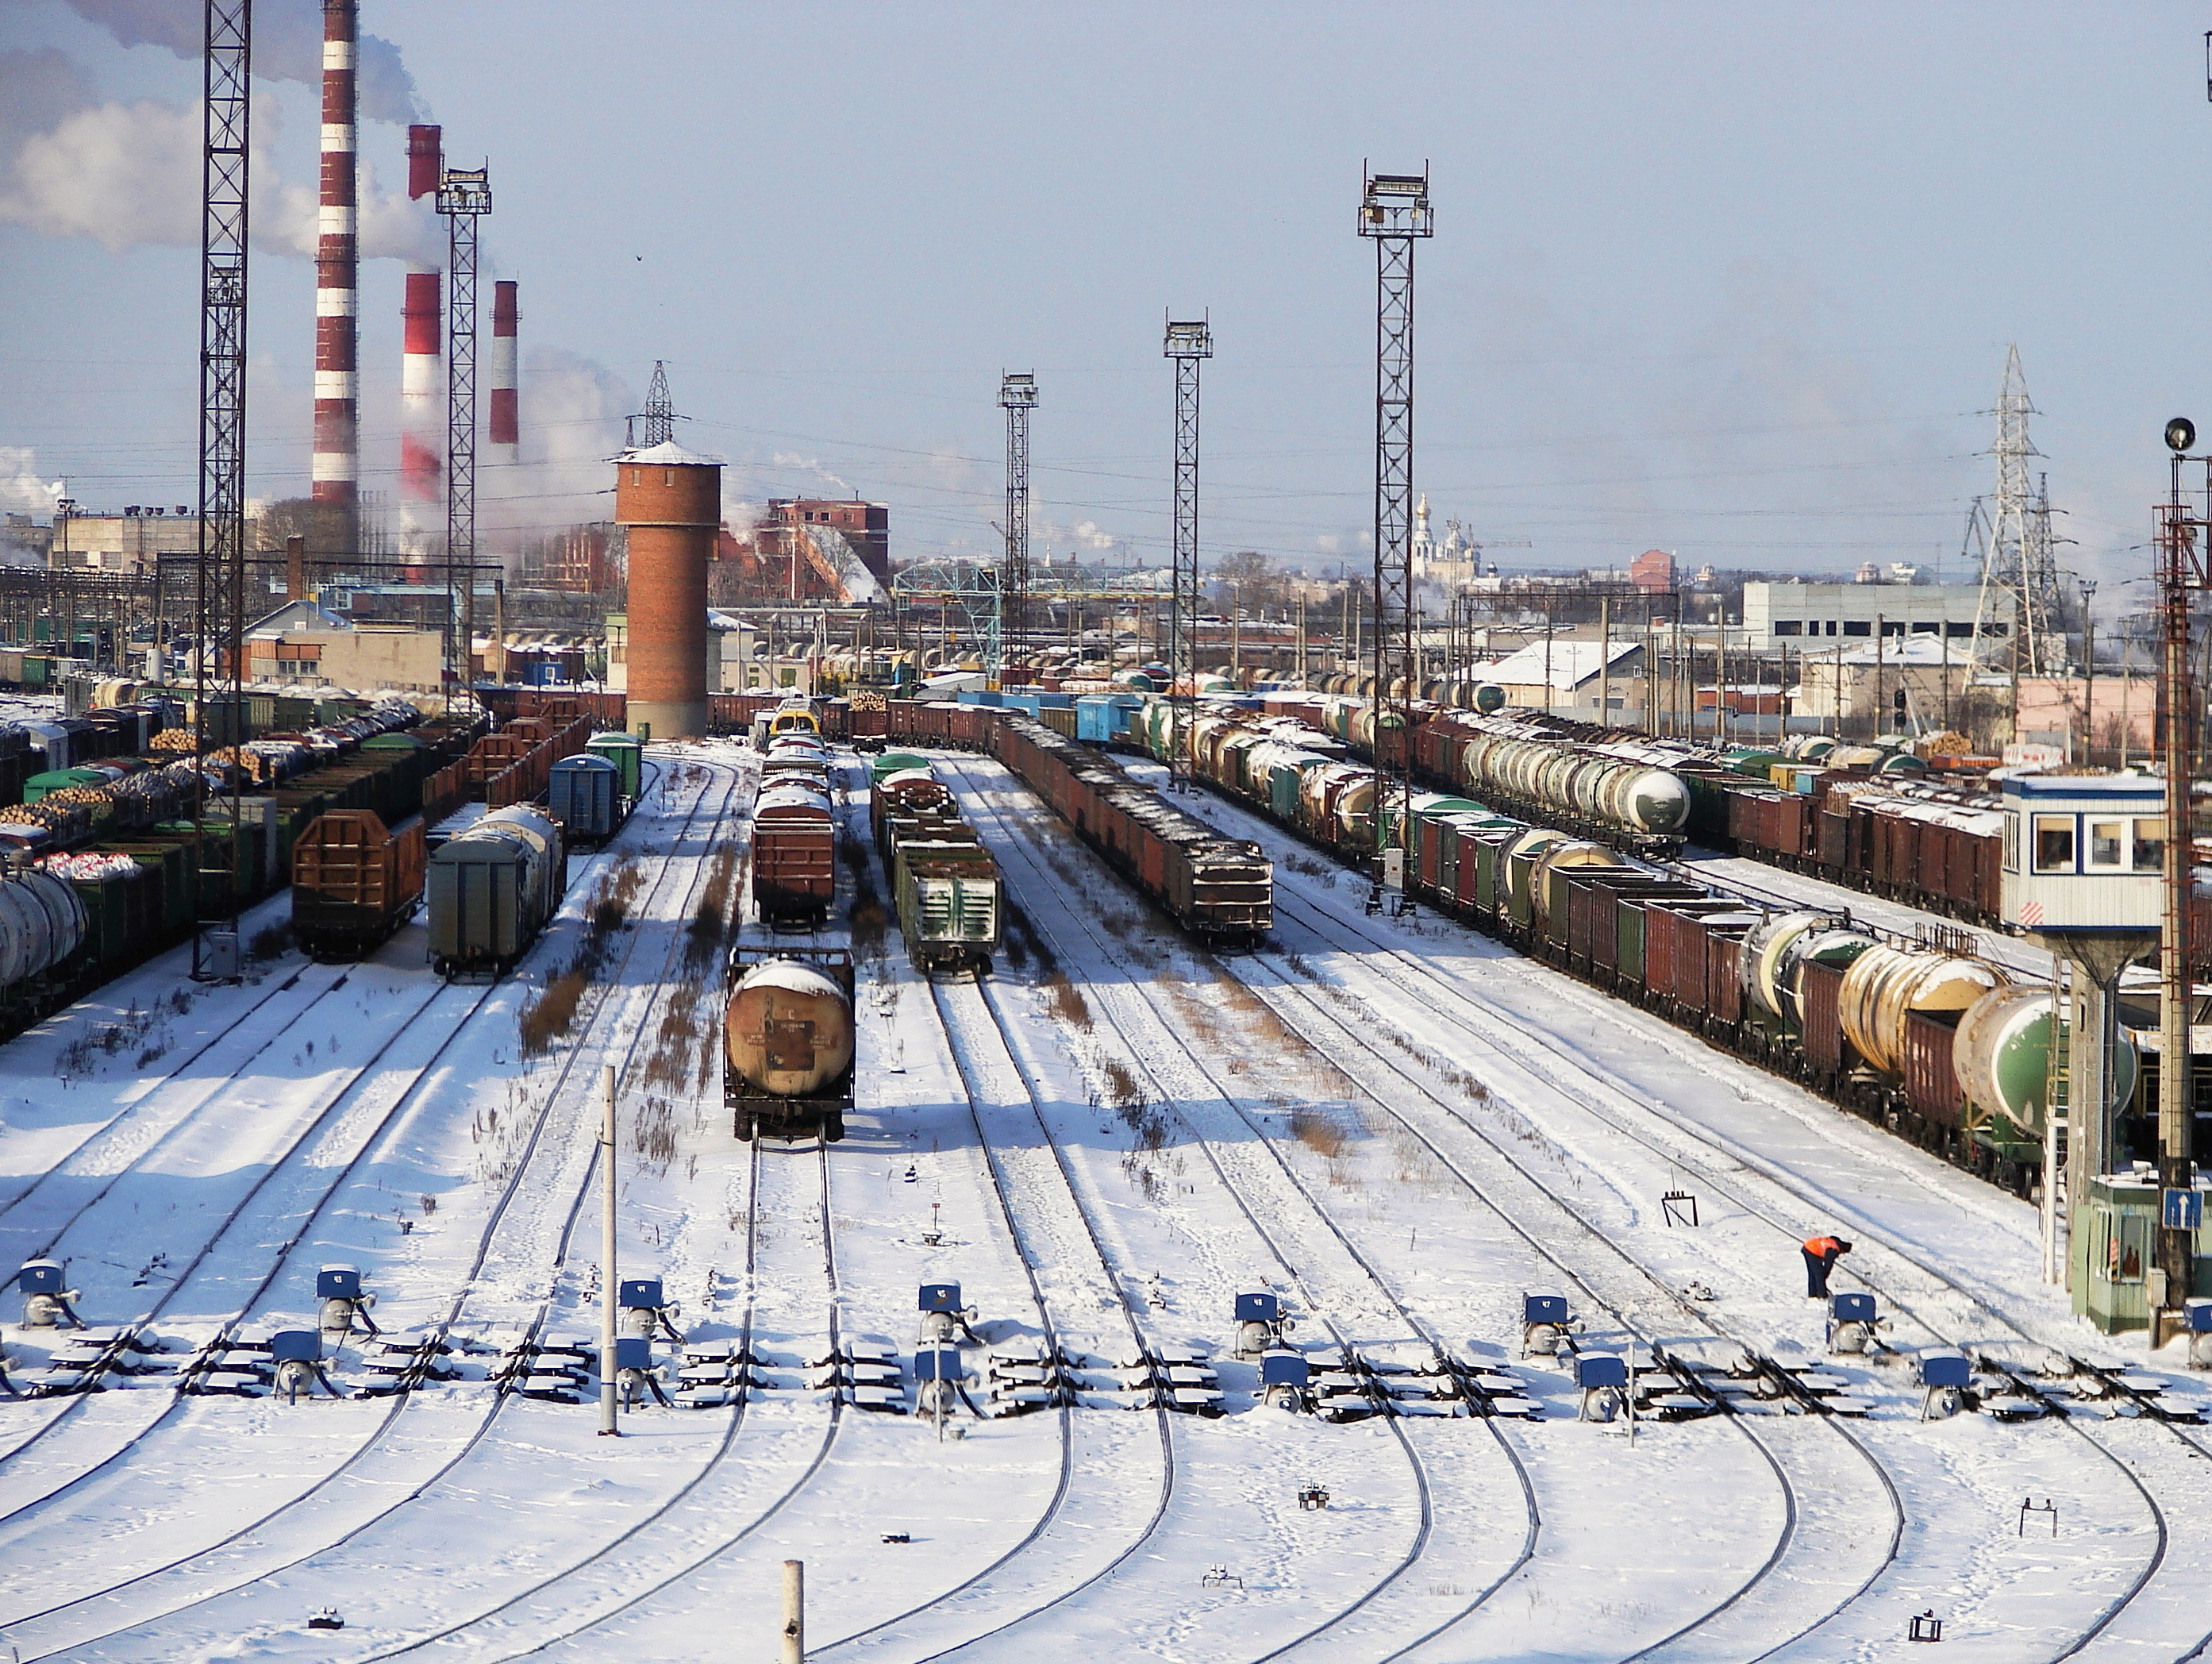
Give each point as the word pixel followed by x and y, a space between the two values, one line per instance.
pixel 1189 344
pixel 1394 211
pixel 1017 397
pixel 2184 540
pixel 218 621
pixel 464 195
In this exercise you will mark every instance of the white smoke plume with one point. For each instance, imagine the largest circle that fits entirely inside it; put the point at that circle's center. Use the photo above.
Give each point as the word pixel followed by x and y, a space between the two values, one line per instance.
pixel 813 465
pixel 572 410
pixel 22 491
pixel 288 45
pixel 129 173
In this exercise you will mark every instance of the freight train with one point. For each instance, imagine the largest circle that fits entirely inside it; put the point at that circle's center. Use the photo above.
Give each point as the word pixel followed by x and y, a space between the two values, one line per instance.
pixel 1219 889
pixel 1871 817
pixel 787 1042
pixel 795 833
pixel 947 888
pixel 1937 1044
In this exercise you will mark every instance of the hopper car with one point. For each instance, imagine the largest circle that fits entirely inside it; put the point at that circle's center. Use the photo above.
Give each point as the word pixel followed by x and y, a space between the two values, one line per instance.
pixel 1926 1040
pixel 787 1042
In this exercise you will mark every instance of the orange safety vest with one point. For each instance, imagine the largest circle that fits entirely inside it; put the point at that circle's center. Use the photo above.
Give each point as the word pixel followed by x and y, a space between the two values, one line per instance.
pixel 1823 1247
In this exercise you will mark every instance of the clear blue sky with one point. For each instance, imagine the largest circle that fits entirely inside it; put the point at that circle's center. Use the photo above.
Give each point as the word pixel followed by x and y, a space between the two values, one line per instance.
pixel 1732 279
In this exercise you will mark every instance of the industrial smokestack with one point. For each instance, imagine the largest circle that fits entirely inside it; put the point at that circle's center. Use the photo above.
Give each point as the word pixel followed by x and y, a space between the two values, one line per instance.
pixel 421 414
pixel 505 433
pixel 671 499
pixel 337 465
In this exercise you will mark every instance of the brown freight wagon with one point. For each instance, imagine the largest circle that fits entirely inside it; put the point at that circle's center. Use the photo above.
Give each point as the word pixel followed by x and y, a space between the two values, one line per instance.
pixel 1820 1003
pixel 1931 1087
pixel 354 882
pixel 794 855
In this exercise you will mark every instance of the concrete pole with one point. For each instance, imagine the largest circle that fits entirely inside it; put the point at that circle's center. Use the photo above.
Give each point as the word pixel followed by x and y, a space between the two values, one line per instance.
pixel 608 1278
pixel 795 1612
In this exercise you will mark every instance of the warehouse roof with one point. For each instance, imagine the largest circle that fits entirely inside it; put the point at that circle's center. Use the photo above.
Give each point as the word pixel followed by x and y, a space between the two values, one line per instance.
pixel 1570 664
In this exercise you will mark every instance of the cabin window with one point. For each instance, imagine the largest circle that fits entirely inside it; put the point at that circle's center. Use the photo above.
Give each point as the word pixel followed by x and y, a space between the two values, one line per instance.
pixel 2150 844
pixel 2108 842
pixel 2054 843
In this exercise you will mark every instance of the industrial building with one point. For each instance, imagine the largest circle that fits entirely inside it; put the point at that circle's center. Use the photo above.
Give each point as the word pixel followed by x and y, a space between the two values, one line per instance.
pixel 1779 611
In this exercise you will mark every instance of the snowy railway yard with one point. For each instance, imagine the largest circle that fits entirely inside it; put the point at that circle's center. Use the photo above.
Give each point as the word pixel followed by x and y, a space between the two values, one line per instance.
pixel 1394 1127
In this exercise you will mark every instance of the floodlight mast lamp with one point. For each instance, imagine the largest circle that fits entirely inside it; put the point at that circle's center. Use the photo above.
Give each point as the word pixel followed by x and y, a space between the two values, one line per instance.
pixel 2184 571
pixel 463 197
pixel 219 613
pixel 1394 211
pixel 1189 344
pixel 1017 397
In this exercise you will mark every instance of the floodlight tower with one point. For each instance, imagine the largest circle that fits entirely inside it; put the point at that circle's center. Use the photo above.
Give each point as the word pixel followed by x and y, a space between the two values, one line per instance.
pixel 218 621
pixel 1017 397
pixel 1189 344
pixel 1394 211
pixel 464 198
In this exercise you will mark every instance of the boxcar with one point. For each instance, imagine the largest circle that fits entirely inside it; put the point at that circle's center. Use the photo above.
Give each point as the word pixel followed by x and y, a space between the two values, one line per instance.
pixel 794 855
pixel 492 888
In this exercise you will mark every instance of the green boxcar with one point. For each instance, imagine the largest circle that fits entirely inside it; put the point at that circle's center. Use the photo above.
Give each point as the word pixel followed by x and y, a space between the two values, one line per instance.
pixel 626 753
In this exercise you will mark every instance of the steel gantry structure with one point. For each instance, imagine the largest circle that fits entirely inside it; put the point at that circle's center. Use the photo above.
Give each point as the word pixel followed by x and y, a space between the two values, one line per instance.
pixel 1189 344
pixel 1394 213
pixel 219 709
pixel 464 198
pixel 1017 397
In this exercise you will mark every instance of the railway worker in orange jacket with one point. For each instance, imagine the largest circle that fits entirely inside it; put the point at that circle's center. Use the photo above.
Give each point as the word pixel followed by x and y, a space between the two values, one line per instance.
pixel 1821 1254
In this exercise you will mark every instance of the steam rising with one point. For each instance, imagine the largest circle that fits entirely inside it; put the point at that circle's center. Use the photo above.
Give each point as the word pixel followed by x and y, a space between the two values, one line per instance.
pixel 130 174
pixel 288 45
pixel 572 422
pixel 22 490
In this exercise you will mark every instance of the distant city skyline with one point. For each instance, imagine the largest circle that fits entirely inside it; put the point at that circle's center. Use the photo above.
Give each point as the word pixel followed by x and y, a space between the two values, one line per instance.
pixel 1729 280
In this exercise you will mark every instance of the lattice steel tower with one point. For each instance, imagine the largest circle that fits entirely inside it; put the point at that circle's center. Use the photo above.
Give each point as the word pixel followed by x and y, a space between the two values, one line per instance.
pixel 464 198
pixel 2019 564
pixel 656 424
pixel 1017 397
pixel 220 709
pixel 1189 344
pixel 1394 211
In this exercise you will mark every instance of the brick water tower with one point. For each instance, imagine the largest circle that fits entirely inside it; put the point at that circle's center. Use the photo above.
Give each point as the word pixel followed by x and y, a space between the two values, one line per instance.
pixel 670 500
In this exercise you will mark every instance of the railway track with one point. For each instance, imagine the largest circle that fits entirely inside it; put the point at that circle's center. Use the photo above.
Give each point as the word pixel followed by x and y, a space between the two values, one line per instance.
pixel 1721 1173
pixel 115 1609
pixel 1167 1061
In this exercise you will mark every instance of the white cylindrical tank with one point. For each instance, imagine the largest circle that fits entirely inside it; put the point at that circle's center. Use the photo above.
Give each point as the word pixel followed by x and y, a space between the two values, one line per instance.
pixel 42 923
pixel 787 1030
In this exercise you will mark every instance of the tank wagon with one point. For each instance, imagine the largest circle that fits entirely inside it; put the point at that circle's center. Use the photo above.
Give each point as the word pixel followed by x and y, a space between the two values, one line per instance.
pixel 1938 1045
pixel 492 888
pixel 1220 889
pixel 1868 817
pixel 950 899
pixel 787 1042
pixel 355 882
pixel 42 923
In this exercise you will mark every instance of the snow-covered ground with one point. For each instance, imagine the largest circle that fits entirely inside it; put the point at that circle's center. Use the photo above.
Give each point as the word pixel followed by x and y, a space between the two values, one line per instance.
pixel 1394 1126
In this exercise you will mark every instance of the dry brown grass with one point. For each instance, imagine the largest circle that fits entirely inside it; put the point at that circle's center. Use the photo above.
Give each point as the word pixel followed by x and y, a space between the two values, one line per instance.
pixel 1065 1002
pixel 1318 1130
pixel 548 1016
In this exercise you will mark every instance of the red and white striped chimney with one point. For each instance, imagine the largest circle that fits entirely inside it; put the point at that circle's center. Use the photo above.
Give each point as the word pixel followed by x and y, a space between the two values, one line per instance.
pixel 421 418
pixel 505 433
pixel 337 465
